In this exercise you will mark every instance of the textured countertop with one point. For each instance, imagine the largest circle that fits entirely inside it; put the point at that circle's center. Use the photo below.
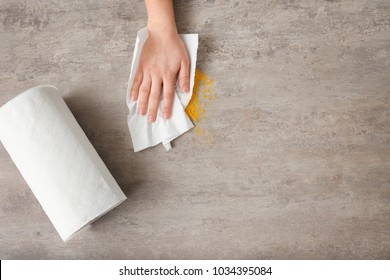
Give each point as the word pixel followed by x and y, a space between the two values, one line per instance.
pixel 291 159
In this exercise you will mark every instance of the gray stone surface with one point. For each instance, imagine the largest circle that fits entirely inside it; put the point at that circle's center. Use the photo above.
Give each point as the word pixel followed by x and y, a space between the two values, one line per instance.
pixel 297 161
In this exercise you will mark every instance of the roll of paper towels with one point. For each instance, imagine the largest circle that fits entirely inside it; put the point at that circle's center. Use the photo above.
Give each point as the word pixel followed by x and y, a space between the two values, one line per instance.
pixel 55 157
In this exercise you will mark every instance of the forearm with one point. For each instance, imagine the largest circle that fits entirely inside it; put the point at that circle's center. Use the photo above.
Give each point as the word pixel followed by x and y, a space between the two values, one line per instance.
pixel 161 19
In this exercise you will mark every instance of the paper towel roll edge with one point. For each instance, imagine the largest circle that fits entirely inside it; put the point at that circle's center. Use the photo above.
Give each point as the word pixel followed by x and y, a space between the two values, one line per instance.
pixel 87 224
pixel 22 94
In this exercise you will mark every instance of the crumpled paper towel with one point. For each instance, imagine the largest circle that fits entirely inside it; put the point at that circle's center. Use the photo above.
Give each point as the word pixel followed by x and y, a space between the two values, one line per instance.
pixel 145 134
pixel 56 159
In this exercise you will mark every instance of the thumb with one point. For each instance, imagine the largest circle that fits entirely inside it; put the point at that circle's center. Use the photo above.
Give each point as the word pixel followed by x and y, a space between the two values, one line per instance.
pixel 184 75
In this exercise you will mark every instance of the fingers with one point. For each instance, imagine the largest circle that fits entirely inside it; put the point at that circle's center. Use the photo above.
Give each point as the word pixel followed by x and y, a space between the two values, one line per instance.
pixel 184 75
pixel 169 89
pixel 136 85
pixel 154 98
pixel 143 97
pixel 148 91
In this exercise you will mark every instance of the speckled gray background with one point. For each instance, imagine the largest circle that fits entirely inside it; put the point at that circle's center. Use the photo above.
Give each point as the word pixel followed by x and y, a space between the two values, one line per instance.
pixel 296 163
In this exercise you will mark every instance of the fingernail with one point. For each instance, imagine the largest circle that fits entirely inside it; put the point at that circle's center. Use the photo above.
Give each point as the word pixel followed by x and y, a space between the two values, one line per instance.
pixel 151 119
pixel 186 88
pixel 141 111
pixel 165 115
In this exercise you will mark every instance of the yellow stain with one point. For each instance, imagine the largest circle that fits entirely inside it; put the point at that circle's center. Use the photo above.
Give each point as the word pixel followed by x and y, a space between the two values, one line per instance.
pixel 205 135
pixel 202 94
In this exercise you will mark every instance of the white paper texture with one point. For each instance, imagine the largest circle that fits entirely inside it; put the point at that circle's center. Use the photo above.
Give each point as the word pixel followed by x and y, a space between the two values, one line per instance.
pixel 145 134
pixel 56 159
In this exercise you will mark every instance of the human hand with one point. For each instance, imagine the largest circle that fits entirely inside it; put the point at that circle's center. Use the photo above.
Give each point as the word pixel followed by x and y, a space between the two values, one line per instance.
pixel 163 59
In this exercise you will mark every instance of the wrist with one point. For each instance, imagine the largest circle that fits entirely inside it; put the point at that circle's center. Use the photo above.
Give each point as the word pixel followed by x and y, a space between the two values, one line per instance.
pixel 162 30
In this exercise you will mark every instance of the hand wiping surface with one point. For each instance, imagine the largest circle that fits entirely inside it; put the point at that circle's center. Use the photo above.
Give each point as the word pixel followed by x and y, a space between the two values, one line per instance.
pixel 146 134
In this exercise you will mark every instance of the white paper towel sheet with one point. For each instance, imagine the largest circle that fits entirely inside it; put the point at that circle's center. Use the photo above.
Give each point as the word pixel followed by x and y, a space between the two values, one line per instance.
pixel 56 159
pixel 145 134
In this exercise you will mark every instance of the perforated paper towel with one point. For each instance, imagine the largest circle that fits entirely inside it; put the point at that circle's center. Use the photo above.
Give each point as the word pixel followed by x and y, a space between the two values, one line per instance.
pixel 145 134
pixel 56 159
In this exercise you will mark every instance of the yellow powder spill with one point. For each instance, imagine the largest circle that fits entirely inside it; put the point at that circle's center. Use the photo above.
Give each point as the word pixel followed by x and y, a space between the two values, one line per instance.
pixel 203 134
pixel 201 97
